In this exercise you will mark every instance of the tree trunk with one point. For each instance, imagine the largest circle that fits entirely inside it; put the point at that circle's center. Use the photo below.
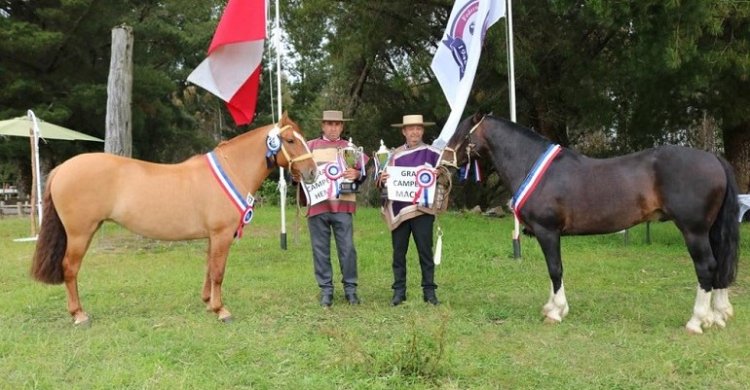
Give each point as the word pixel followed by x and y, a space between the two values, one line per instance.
pixel 357 89
pixel 119 133
pixel 706 134
pixel 737 149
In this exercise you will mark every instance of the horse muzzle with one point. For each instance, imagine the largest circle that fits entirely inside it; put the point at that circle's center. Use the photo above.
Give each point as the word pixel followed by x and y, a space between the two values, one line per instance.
pixel 448 157
pixel 309 175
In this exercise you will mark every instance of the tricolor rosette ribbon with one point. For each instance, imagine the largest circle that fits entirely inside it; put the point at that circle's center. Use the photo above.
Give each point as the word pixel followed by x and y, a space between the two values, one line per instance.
pixel 333 172
pixel 425 179
pixel 273 144
pixel 248 215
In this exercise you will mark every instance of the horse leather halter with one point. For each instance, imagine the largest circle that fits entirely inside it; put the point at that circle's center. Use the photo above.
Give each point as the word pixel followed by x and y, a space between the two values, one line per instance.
pixel 291 160
pixel 469 147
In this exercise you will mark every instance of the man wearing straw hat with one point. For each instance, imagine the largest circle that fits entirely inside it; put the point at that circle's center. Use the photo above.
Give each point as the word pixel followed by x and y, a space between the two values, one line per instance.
pixel 334 214
pixel 411 218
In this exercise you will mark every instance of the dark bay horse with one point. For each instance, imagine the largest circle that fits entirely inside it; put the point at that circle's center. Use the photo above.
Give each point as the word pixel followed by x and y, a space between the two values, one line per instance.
pixel 205 196
pixel 578 195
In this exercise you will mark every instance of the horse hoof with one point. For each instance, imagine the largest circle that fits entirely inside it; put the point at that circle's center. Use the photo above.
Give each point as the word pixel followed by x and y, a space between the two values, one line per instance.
pixel 694 331
pixel 693 328
pixel 82 323
pixel 718 321
pixel 227 320
pixel 552 321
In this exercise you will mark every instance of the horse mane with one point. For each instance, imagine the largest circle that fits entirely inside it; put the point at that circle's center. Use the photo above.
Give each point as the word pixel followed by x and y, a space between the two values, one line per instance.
pixel 526 132
pixel 262 131
pixel 534 136
pixel 283 121
pixel 248 133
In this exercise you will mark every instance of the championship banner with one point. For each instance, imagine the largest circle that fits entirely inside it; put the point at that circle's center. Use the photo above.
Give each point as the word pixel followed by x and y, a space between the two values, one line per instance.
pixel 411 184
pixel 457 55
pixel 323 188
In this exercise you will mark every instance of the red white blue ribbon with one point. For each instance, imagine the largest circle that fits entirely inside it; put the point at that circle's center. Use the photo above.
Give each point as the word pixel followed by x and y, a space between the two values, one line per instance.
pixel 477 173
pixel 425 180
pixel 333 172
pixel 533 178
pixel 244 205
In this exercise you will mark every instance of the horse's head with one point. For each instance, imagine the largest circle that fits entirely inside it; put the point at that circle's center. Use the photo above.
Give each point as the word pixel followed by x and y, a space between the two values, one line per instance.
pixel 296 156
pixel 465 143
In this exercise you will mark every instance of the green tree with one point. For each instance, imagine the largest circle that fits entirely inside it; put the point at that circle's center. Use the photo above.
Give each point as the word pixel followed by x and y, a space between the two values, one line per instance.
pixel 621 76
pixel 375 69
pixel 606 77
pixel 54 59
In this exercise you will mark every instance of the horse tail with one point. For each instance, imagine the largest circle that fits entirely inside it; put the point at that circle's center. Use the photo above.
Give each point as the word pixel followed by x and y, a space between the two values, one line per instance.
pixel 51 244
pixel 725 233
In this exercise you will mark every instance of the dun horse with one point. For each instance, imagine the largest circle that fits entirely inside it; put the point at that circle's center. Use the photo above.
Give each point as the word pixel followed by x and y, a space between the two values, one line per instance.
pixel 561 192
pixel 204 196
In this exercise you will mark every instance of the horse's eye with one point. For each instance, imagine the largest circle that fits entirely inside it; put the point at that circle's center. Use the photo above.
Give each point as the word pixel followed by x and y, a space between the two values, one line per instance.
pixel 290 140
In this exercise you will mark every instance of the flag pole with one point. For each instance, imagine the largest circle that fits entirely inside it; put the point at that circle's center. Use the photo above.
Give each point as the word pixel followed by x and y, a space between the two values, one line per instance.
pixel 282 179
pixel 270 93
pixel 512 100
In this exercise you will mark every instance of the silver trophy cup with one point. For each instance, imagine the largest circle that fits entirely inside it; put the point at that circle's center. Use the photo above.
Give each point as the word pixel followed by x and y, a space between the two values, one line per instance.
pixel 350 156
pixel 382 157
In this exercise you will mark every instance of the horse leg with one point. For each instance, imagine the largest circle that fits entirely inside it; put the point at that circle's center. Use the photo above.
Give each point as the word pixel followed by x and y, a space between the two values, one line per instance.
pixel 556 307
pixel 218 249
pixel 76 248
pixel 721 306
pixel 702 315
pixel 705 266
pixel 206 293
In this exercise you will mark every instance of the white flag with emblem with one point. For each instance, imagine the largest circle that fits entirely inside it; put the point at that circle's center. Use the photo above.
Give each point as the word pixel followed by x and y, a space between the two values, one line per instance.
pixel 457 56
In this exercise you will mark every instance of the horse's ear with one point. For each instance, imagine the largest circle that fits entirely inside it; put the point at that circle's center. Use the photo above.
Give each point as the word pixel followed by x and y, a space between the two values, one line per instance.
pixel 477 117
pixel 286 120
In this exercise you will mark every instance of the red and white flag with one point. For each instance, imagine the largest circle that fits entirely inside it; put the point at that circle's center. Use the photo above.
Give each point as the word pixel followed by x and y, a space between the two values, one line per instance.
pixel 232 69
pixel 456 59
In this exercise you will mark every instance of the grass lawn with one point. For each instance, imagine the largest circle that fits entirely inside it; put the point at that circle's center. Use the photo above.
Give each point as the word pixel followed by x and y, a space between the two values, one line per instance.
pixel 628 306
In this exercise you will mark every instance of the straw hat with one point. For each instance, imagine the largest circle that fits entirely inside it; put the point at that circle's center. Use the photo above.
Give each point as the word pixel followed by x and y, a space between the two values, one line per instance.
pixel 409 120
pixel 334 116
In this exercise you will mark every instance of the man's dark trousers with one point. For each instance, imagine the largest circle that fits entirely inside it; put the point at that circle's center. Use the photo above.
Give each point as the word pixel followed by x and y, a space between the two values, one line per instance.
pixel 420 228
pixel 320 227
